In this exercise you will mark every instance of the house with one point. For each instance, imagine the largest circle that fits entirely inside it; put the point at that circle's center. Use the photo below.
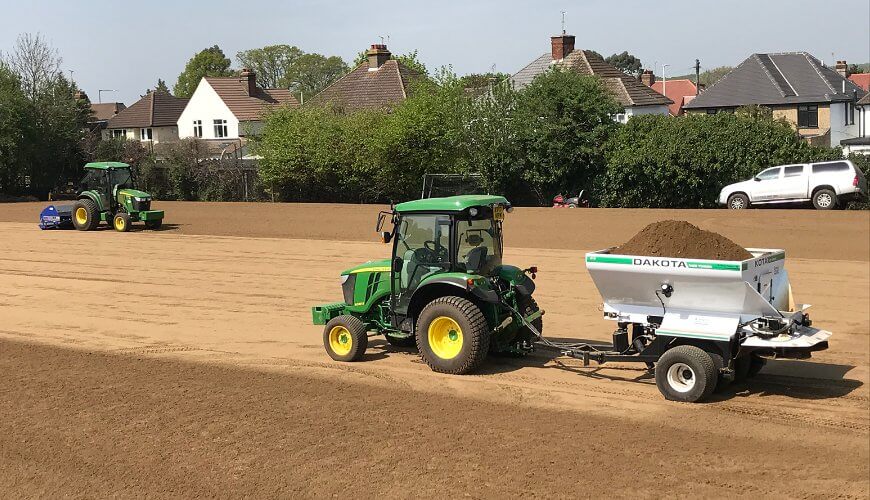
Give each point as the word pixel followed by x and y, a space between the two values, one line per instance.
pixel 680 91
pixel 101 112
pixel 152 119
pixel 861 79
pixel 635 97
pixel 378 83
pixel 861 142
pixel 817 100
pixel 227 109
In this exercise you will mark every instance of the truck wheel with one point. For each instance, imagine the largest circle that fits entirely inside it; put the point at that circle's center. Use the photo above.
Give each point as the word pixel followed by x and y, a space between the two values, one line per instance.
pixel 686 373
pixel 738 201
pixel 85 217
pixel 345 338
pixel 401 341
pixel 825 199
pixel 153 224
pixel 452 335
pixel 121 222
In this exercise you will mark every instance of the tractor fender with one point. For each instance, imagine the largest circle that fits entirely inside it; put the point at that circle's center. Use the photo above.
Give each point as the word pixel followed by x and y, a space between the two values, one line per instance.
pixel 87 195
pixel 448 285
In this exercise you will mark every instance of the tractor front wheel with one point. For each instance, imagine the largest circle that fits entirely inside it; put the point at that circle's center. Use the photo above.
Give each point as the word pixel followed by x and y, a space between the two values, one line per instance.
pixel 121 222
pixel 85 217
pixel 452 335
pixel 345 338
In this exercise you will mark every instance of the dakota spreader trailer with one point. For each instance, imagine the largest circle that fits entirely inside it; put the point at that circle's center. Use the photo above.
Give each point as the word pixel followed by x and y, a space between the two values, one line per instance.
pixel 697 323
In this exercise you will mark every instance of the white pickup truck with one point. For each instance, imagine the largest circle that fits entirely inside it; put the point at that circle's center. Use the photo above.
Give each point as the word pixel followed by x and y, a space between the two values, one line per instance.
pixel 826 184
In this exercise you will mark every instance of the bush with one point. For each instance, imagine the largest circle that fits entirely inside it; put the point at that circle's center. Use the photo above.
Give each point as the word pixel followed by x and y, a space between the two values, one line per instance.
pixel 664 162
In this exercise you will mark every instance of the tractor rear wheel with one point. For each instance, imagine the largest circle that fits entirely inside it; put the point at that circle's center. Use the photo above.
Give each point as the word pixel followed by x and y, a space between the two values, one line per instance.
pixel 345 338
pixel 686 373
pixel 452 335
pixel 153 224
pixel 121 222
pixel 85 217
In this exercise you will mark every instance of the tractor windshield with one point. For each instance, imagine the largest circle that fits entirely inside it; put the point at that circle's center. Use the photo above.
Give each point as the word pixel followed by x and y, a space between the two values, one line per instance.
pixel 479 248
pixel 122 178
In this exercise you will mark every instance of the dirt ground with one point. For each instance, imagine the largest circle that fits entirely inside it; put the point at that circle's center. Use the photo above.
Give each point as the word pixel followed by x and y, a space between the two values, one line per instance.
pixel 183 362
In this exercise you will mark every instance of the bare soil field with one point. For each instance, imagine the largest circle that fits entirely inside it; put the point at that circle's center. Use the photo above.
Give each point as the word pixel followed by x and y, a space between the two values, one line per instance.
pixel 183 362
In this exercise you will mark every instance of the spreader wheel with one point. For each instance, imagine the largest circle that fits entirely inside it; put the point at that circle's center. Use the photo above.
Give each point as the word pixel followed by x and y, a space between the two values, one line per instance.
pixel 85 215
pixel 121 222
pixel 452 335
pixel 345 338
pixel 686 373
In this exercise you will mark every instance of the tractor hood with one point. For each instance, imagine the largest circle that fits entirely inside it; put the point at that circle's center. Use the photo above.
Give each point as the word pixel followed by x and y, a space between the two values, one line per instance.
pixel 134 193
pixel 372 266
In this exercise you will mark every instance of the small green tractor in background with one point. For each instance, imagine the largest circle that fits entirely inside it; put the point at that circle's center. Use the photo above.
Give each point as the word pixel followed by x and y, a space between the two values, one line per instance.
pixel 108 193
pixel 445 290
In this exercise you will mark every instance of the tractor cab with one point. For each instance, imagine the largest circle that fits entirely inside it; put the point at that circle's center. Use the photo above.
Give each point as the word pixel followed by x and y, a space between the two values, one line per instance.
pixel 445 288
pixel 108 193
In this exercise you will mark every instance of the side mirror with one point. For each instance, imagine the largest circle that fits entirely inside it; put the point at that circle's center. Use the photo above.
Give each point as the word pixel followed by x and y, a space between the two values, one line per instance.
pixel 386 236
pixel 397 264
pixel 756 179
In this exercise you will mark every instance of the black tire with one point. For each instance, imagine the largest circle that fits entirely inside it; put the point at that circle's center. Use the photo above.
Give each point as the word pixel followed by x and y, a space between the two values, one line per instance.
pixel 153 224
pixel 86 216
pixel 345 338
pixel 722 383
pixel 401 341
pixel 686 373
pixel 448 355
pixel 121 222
pixel 738 201
pixel 825 199
pixel 571 205
pixel 527 305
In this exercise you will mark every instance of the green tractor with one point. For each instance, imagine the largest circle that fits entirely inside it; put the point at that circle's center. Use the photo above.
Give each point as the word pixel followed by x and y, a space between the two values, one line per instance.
pixel 445 290
pixel 108 193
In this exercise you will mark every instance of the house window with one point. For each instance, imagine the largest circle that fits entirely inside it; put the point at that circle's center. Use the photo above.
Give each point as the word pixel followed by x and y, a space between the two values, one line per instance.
pixel 146 134
pixel 808 116
pixel 220 129
pixel 197 128
pixel 119 133
pixel 850 113
pixel 712 111
pixel 620 117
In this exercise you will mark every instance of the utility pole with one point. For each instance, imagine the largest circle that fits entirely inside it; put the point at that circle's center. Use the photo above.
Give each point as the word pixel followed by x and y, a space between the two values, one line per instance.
pixel 697 77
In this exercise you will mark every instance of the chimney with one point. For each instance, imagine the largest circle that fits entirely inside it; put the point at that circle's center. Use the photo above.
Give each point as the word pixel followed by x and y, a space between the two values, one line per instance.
pixel 378 55
pixel 842 68
pixel 562 45
pixel 647 78
pixel 248 75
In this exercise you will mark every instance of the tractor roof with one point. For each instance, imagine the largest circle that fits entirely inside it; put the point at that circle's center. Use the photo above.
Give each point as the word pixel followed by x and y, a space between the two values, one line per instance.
pixel 105 165
pixel 451 203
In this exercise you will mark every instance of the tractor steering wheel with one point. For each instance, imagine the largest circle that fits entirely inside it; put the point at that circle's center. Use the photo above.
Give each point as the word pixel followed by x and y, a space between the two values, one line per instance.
pixel 434 252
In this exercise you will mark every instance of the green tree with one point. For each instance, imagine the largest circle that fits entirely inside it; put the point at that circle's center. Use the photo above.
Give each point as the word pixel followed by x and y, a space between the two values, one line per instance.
pixel 14 118
pixel 272 63
pixel 711 76
pixel 160 87
pixel 409 59
pixel 311 73
pixel 207 62
pixel 663 162
pixel 563 119
pixel 627 63
pixel 482 80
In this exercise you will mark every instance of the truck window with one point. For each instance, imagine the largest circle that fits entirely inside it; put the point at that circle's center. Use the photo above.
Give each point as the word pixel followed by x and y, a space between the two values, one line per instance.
pixel 795 171
pixel 770 173
pixel 837 166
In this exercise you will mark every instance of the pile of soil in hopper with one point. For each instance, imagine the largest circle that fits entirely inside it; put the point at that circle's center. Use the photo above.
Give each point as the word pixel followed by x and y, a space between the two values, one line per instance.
pixel 676 238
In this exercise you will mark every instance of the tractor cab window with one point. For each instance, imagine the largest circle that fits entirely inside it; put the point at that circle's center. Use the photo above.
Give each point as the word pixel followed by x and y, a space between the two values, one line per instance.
pixel 423 245
pixel 93 180
pixel 121 178
pixel 479 245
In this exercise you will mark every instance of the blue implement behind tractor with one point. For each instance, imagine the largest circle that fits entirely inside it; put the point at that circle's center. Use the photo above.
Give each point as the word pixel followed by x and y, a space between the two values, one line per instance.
pixel 56 217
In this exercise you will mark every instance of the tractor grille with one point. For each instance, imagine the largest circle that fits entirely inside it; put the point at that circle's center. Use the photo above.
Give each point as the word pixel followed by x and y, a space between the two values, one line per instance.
pixel 142 206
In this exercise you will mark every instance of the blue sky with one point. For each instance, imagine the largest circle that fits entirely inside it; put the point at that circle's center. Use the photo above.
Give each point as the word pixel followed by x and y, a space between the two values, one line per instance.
pixel 128 45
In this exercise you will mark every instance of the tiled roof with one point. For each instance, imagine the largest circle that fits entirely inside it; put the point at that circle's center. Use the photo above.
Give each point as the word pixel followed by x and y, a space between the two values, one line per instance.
pixel 864 100
pixel 364 89
pixel 677 91
pixel 104 111
pixel 156 109
pixel 861 79
pixel 627 90
pixel 777 79
pixel 234 92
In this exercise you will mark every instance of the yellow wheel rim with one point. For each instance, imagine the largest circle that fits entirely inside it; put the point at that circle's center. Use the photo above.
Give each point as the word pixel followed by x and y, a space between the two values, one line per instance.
pixel 445 337
pixel 81 215
pixel 340 340
pixel 120 223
